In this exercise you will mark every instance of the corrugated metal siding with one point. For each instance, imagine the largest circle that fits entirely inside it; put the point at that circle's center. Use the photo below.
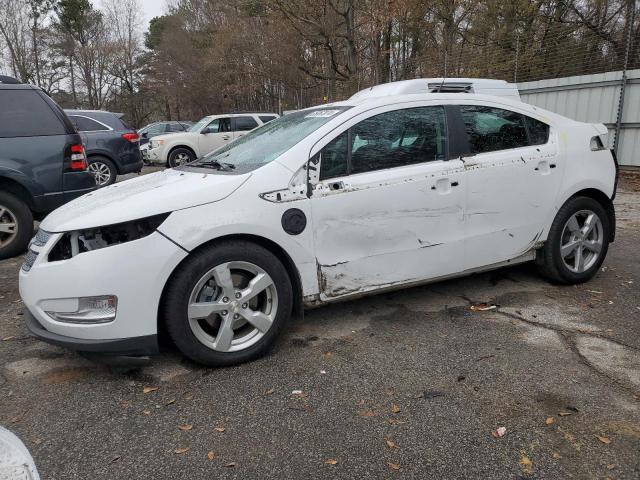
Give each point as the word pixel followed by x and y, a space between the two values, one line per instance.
pixel 594 99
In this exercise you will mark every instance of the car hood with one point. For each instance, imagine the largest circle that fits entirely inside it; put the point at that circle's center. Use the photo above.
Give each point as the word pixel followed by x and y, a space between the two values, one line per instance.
pixel 169 136
pixel 144 196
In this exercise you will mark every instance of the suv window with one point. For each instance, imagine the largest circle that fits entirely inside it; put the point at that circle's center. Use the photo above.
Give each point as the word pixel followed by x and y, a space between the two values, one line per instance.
pixel 84 124
pixel 219 125
pixel 174 127
pixel 25 113
pixel 538 131
pixel 266 118
pixel 154 129
pixel 391 139
pixel 490 129
pixel 243 124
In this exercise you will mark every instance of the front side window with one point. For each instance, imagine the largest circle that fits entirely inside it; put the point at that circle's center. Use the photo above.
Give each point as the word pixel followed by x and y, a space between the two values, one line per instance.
pixel 218 125
pixel 244 124
pixel 391 139
pixel 538 131
pixel 491 129
pixel 84 124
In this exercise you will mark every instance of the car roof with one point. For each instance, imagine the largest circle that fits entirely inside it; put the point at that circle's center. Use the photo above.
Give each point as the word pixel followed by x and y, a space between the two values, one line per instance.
pixel 111 119
pixel 243 114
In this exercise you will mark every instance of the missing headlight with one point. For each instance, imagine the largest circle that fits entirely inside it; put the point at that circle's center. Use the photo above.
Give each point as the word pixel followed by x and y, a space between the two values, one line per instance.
pixel 80 241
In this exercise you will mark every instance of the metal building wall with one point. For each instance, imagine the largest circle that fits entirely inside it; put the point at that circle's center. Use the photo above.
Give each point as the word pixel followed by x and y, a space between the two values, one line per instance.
pixel 594 99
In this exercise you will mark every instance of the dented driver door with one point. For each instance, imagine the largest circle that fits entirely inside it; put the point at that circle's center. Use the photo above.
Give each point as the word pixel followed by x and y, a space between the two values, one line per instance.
pixel 377 227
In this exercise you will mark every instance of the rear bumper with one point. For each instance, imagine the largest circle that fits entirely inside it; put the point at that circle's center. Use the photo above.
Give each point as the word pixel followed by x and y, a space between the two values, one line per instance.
pixel 146 345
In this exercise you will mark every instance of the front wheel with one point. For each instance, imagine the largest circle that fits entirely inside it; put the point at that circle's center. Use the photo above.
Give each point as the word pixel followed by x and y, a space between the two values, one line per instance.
pixel 180 156
pixel 227 303
pixel 577 243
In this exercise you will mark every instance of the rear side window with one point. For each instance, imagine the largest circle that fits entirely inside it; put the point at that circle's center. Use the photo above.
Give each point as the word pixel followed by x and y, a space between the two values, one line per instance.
pixel 491 129
pixel 84 124
pixel 538 131
pixel 266 118
pixel 25 114
pixel 175 127
pixel 242 124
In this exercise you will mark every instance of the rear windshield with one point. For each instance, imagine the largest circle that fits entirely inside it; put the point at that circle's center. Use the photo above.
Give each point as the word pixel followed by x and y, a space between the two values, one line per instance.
pixel 265 144
pixel 24 113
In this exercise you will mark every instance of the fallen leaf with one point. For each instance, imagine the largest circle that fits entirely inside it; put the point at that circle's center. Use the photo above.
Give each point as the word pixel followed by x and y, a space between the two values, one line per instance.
pixel 394 466
pixel 186 427
pixel 391 443
pixel 605 440
pixel 331 461
pixel 170 402
pixel 391 391
pixel 327 354
pixel 526 464
pixel 115 459
pixel 564 414
pixel 230 464
pixel 180 451
pixel 556 455
pixel 220 429
pixel 149 389
pixel 6 339
pixel 573 409
pixel 393 421
pixel 367 413
pixel 395 408
pixel 211 455
pixel 146 412
pixel 271 391
pixel 549 421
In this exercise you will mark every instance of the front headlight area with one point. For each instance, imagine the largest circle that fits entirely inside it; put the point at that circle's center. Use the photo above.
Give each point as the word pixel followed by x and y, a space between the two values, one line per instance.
pixel 83 310
pixel 77 242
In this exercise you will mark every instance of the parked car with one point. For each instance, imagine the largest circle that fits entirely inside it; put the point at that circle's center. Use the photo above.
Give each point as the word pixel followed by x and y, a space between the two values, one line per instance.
pixel 42 162
pixel 159 128
pixel 208 134
pixel 111 145
pixel 325 204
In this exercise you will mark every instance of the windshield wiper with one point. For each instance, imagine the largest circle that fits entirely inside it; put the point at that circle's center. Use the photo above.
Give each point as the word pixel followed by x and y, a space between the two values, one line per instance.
pixel 216 164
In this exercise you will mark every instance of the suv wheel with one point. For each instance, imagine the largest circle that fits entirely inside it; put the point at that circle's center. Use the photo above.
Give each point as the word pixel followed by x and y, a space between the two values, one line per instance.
pixel 103 170
pixel 227 303
pixel 180 156
pixel 578 242
pixel 16 225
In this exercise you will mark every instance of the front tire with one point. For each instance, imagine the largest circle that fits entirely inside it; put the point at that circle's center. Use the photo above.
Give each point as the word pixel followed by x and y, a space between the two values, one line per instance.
pixel 180 156
pixel 227 303
pixel 16 225
pixel 578 242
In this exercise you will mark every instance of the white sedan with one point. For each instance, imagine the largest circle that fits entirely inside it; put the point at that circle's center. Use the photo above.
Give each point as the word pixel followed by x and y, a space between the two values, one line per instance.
pixel 324 204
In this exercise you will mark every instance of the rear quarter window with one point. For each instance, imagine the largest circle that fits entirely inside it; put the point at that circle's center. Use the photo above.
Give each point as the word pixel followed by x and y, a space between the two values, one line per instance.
pixel 24 113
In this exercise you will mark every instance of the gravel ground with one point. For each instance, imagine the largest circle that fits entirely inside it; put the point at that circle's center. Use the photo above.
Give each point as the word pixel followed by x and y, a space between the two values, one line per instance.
pixel 409 384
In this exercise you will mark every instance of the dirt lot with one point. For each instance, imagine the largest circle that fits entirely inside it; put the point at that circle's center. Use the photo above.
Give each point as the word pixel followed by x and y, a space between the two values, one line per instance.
pixel 404 385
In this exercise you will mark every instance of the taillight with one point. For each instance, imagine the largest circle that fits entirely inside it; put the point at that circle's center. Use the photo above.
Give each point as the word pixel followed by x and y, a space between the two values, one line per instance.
pixel 131 137
pixel 78 158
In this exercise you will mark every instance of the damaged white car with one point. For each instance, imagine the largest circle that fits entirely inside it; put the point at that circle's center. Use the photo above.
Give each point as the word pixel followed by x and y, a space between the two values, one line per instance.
pixel 375 193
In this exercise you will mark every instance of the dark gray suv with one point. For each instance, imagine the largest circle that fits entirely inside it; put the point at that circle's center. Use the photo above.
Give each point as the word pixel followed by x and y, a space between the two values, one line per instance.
pixel 112 146
pixel 42 162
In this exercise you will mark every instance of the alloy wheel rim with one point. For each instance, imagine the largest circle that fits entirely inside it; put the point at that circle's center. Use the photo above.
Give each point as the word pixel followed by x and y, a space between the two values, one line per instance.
pixel 232 306
pixel 180 158
pixel 581 241
pixel 8 226
pixel 101 172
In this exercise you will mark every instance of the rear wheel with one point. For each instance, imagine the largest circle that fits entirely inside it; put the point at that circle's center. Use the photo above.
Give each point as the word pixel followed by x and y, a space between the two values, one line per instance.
pixel 16 225
pixel 103 170
pixel 227 303
pixel 578 242
pixel 180 156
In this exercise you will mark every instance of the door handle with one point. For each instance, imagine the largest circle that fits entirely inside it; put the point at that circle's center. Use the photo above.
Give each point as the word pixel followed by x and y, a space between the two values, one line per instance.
pixel 333 186
pixel 444 186
pixel 226 137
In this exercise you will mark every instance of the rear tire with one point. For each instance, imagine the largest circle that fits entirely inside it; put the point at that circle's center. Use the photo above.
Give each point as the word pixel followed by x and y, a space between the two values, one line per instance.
pixel 577 243
pixel 210 314
pixel 180 156
pixel 16 225
pixel 104 171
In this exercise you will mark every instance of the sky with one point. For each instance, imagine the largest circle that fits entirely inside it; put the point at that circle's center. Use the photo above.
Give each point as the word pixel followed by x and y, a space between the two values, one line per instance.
pixel 150 9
